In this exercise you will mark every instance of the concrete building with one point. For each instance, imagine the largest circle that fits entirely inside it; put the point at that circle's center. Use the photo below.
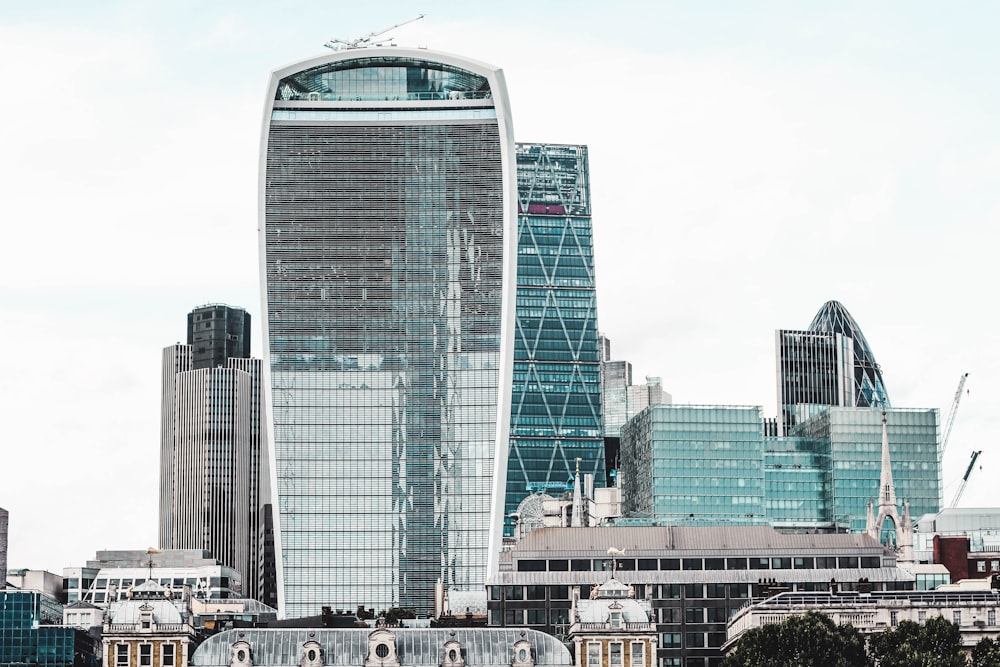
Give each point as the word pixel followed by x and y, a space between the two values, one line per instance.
pixel 693 577
pixel 973 611
pixel 388 245
pixel 113 573
pixel 612 628
pixel 556 404
pixel 211 448
pixel 153 627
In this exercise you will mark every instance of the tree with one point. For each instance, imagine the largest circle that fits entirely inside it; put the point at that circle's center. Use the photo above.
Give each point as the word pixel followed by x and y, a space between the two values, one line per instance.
pixel 811 640
pixel 986 653
pixel 936 643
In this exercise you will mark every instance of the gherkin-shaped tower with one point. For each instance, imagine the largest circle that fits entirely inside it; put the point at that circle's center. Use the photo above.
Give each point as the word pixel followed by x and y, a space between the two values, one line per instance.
pixel 869 387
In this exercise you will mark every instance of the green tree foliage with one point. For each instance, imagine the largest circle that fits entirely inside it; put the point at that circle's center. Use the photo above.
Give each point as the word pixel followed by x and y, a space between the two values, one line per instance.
pixel 986 653
pixel 936 643
pixel 811 640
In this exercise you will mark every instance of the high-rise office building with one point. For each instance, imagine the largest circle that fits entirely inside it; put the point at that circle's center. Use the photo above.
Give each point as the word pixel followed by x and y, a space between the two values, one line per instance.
pixel 556 402
pixel 388 237
pixel 694 464
pixel 210 444
pixel 216 333
pixel 828 364
pixel 869 387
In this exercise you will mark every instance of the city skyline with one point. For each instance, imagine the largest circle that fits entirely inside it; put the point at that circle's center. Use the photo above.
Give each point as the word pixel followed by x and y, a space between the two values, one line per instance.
pixel 772 157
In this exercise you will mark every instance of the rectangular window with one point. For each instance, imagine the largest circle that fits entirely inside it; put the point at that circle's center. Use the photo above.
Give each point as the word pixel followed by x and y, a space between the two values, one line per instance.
pixel 167 655
pixel 995 565
pixel 715 563
pixel 718 615
pixel 121 655
pixel 593 654
pixel 980 566
pixel 615 654
pixel 956 617
pixel 921 616
pixel 145 655
pixel 693 591
pixel 692 564
pixel 670 591
pixel 637 654
pixel 893 618
pixel 694 615
pixel 991 617
pixel 802 563
pixel 670 563
pixel 715 590
pixel 736 563
pixel 671 640
pixel 694 640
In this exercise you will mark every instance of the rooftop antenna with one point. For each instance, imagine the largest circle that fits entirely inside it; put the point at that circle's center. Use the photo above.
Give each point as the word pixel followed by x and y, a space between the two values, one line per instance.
pixel 338 44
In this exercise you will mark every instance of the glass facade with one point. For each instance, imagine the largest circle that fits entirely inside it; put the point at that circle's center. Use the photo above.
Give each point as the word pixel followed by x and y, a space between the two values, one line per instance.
pixel 556 392
pixel 855 441
pixel 797 482
pixel 386 255
pixel 869 387
pixel 27 635
pixel 694 464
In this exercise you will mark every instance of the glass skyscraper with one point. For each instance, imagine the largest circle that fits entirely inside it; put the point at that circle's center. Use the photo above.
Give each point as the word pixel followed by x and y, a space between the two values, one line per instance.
pixel 388 240
pixel 695 464
pixel 831 363
pixel 556 402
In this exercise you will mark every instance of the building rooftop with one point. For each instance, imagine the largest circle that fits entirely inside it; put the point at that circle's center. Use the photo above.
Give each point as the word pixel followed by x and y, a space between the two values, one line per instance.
pixel 642 541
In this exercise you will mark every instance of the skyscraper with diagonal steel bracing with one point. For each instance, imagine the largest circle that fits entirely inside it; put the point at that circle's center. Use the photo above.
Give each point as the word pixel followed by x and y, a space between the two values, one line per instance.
pixel 388 238
pixel 556 403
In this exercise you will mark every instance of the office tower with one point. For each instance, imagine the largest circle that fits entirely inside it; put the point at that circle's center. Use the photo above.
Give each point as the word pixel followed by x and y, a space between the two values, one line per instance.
pixel 4 516
pixel 216 333
pixel 694 464
pixel 211 447
pixel 621 400
pixel 869 387
pixel 556 402
pixel 388 244
pixel 854 437
pixel 828 364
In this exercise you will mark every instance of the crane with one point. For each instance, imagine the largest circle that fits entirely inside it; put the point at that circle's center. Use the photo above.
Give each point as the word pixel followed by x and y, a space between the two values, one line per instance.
pixel 337 44
pixel 965 479
pixel 953 411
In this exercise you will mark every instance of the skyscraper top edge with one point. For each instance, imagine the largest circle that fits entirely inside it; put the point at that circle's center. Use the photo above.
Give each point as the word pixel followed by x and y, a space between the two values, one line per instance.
pixel 382 56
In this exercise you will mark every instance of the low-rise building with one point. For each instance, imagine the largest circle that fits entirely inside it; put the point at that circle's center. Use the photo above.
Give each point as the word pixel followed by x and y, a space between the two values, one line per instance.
pixel 31 632
pixel 152 627
pixel 973 611
pixel 693 577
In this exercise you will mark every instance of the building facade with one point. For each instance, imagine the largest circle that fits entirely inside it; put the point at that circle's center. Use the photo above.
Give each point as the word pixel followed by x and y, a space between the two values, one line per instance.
pixel 31 633
pixel 694 464
pixel 556 404
pixel 388 238
pixel 973 611
pixel 830 364
pixel 4 518
pixel 612 628
pixel 153 627
pixel 855 444
pixel 211 446
pixel 694 578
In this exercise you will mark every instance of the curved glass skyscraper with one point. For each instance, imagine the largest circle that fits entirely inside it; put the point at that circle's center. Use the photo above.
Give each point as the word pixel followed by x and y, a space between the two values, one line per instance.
pixel 388 238
pixel 869 388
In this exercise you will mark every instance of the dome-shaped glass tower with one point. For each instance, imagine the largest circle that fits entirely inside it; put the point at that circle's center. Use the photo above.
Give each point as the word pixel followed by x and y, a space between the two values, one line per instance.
pixel 869 387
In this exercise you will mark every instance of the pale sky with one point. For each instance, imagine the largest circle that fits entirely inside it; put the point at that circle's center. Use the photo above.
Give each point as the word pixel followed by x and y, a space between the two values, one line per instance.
pixel 749 161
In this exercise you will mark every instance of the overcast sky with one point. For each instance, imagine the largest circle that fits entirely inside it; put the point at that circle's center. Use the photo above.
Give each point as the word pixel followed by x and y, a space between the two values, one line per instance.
pixel 749 161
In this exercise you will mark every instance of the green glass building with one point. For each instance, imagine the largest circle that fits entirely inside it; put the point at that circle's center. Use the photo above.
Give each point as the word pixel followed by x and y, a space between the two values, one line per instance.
pixel 694 464
pixel 30 633
pixel 556 389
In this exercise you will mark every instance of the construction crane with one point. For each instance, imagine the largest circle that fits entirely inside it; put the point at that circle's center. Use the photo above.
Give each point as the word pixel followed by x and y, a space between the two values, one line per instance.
pixel 953 411
pixel 965 479
pixel 337 44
